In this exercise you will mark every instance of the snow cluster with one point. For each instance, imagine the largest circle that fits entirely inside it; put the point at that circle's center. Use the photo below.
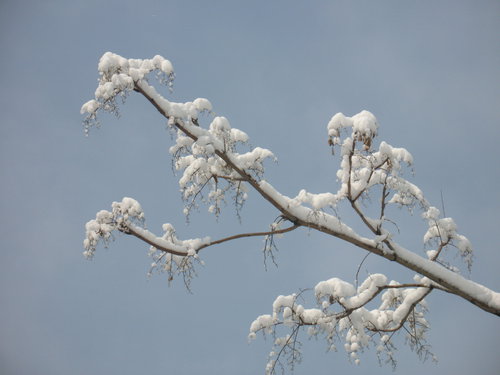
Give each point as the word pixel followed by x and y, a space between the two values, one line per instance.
pixel 364 127
pixel 351 320
pixel 127 216
pixel 174 264
pixel 197 150
pixel 118 76
pixel 362 168
pixel 443 232
pixel 203 167
pixel 101 228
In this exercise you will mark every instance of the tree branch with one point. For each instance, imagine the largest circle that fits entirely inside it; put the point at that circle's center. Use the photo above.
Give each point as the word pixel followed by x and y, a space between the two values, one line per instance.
pixel 167 247
pixel 477 294
pixel 253 234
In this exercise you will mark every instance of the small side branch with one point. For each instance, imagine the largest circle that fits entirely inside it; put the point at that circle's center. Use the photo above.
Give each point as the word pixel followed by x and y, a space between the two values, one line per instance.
pixel 411 309
pixel 252 234
pixel 165 246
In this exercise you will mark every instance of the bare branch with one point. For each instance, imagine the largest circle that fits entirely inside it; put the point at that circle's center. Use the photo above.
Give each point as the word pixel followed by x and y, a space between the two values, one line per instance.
pixel 141 234
pixel 252 234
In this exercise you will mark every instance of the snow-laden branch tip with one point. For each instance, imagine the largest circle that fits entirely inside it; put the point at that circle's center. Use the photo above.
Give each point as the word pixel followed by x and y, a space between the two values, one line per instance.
pixel 170 253
pixel 341 315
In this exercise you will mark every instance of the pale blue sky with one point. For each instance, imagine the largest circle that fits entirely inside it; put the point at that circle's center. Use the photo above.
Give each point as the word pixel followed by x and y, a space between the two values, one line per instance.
pixel 277 70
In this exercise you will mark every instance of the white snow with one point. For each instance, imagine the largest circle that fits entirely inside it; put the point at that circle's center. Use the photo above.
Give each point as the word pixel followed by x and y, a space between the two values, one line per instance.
pixel 363 124
pixel 90 107
pixel 334 287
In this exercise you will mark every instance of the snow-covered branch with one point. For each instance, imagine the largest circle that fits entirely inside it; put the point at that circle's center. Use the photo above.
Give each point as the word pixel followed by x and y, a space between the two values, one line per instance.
pixel 216 162
pixel 342 315
pixel 128 217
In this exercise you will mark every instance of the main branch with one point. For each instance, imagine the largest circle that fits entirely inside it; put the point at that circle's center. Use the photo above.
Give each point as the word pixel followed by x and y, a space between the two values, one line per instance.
pixel 477 294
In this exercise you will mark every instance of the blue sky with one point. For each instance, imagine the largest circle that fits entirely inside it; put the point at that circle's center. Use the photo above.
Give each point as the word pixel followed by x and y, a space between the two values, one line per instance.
pixel 278 70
